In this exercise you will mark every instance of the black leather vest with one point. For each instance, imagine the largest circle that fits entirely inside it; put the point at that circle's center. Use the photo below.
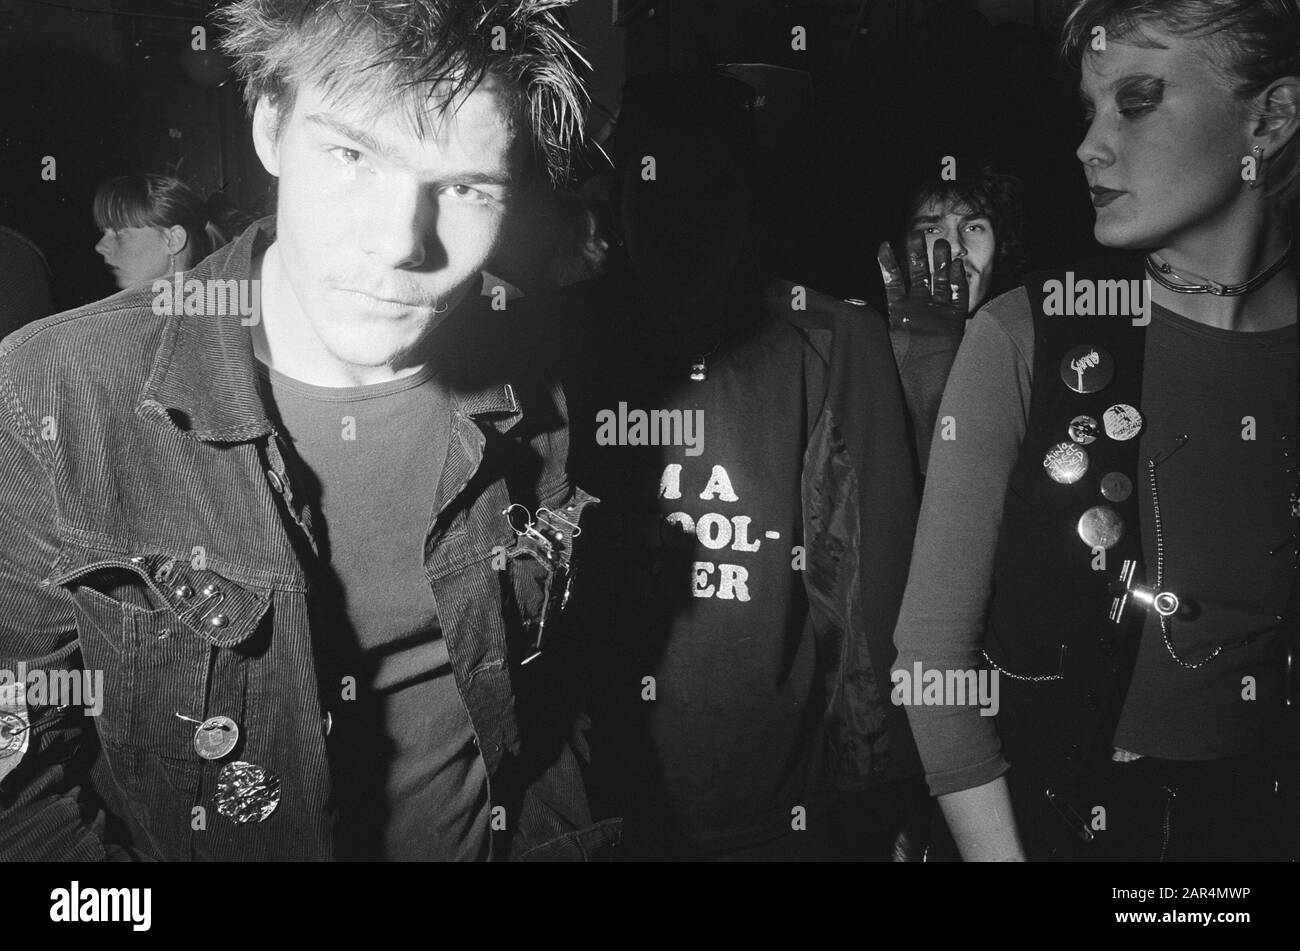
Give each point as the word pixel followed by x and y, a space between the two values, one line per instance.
pixel 1048 619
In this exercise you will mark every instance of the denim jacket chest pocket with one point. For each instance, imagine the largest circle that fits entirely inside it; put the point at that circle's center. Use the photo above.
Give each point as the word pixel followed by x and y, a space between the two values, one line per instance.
pixel 171 640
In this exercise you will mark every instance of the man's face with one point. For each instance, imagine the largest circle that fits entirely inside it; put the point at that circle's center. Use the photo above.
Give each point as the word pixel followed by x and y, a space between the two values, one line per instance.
pixel 1163 150
pixel 684 228
pixel 969 235
pixel 135 255
pixel 377 229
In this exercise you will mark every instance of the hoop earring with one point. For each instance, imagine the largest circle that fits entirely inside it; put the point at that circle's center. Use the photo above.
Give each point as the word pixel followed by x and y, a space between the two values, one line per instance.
pixel 1258 152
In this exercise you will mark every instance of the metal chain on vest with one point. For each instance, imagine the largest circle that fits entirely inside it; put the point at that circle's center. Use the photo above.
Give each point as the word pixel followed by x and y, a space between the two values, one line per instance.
pixel 1165 623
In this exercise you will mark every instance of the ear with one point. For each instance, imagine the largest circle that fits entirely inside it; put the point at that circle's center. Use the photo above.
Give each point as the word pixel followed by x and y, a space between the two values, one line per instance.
pixel 175 238
pixel 1278 115
pixel 266 140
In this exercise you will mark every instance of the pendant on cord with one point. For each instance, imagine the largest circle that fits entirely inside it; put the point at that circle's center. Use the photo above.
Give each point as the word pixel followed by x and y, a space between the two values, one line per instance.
pixel 700 369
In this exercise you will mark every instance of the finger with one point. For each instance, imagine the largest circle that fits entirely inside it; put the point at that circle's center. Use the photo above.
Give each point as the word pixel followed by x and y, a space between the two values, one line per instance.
pixel 891 273
pixel 918 265
pixel 960 288
pixel 939 292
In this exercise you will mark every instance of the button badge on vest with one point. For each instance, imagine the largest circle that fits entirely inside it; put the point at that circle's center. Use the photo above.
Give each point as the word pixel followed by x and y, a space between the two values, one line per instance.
pixel 1066 463
pixel 1101 527
pixel 1122 422
pixel 1084 430
pixel 1087 368
pixel 1116 486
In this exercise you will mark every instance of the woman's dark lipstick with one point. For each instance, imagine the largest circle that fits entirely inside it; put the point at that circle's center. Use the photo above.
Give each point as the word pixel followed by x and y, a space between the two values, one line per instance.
pixel 1101 197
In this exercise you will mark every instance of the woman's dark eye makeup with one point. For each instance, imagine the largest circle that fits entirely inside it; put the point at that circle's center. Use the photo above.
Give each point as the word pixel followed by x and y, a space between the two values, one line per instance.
pixel 1135 96
pixel 1139 94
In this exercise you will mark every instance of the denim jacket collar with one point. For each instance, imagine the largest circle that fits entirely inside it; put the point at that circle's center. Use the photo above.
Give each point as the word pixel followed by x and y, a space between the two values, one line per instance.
pixel 204 377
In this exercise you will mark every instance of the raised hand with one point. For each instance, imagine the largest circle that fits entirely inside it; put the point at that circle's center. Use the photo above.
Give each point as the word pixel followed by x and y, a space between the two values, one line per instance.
pixel 926 298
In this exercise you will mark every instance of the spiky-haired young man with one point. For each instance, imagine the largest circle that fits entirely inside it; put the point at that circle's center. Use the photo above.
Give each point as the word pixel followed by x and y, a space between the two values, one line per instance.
pixel 281 538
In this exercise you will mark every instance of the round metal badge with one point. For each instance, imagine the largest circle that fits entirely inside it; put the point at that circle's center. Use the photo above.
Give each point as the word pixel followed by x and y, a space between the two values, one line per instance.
pixel 1084 430
pixel 13 733
pixel 216 737
pixel 1122 422
pixel 1087 368
pixel 1116 486
pixel 1101 527
pixel 1066 462
pixel 247 792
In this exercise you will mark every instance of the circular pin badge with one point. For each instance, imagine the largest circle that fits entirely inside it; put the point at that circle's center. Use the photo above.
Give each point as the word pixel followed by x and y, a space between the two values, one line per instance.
pixel 1087 368
pixel 215 737
pixel 1066 462
pixel 13 733
pixel 1122 422
pixel 1101 527
pixel 246 792
pixel 1116 486
pixel 1084 430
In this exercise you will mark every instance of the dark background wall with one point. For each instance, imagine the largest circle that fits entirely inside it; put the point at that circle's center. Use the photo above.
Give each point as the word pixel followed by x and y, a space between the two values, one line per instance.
pixel 882 91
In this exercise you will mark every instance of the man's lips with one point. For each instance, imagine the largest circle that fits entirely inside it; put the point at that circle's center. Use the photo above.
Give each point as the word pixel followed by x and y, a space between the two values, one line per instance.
pixel 382 299
pixel 1101 197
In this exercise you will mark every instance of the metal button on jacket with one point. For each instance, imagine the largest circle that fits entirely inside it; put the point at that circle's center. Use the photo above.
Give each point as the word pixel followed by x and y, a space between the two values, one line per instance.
pixel 216 737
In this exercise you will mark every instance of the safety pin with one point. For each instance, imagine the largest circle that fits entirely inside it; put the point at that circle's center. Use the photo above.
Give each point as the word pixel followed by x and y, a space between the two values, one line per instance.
pixel 1162 457
pixel 574 530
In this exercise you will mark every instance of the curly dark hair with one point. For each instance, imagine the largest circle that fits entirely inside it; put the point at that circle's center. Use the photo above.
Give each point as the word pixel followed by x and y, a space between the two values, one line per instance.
pixel 997 196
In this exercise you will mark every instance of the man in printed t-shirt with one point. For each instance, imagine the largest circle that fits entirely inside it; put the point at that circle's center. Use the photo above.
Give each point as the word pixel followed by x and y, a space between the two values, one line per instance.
pixel 747 440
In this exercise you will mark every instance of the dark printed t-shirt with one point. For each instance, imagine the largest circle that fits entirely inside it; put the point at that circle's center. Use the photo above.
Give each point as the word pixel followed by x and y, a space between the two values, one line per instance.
pixel 410 785
pixel 700 585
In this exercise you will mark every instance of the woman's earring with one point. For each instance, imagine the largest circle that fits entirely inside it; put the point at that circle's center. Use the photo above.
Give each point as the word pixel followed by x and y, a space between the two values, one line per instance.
pixel 171 264
pixel 1257 154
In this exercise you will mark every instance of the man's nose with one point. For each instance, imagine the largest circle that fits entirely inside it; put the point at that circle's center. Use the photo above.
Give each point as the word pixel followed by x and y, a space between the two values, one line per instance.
pixel 101 246
pixel 957 243
pixel 401 227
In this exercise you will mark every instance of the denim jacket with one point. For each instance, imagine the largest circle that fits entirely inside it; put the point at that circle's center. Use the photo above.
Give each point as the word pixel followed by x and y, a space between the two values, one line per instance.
pixel 152 531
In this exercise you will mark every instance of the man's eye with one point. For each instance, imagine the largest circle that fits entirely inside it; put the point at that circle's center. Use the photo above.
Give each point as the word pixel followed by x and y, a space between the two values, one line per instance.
pixel 466 193
pixel 976 226
pixel 345 155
